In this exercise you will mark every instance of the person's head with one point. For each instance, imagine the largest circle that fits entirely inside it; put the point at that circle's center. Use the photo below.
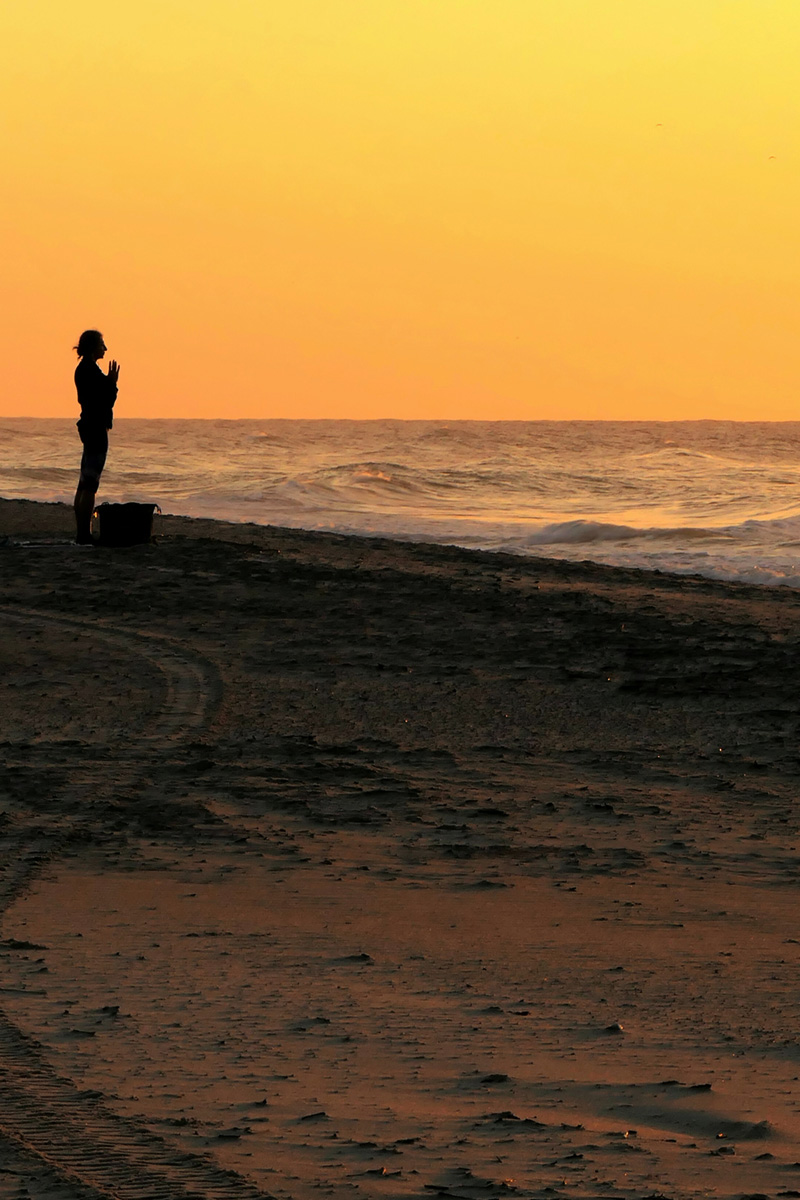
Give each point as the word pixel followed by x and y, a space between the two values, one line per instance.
pixel 91 344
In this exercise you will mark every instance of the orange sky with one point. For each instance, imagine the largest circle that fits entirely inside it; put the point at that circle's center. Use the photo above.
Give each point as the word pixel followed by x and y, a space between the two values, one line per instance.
pixel 406 208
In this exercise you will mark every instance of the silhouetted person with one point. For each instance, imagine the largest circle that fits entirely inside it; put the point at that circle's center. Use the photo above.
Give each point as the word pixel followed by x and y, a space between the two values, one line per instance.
pixel 96 395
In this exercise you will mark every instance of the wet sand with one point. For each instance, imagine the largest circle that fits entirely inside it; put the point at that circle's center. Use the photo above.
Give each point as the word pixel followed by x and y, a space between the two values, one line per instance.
pixel 360 868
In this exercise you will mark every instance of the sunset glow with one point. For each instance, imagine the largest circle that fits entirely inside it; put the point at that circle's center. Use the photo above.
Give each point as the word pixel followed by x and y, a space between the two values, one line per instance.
pixel 404 208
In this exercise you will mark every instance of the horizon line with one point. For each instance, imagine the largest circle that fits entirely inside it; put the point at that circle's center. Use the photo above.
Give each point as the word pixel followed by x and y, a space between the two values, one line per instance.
pixel 451 420
pixel 445 420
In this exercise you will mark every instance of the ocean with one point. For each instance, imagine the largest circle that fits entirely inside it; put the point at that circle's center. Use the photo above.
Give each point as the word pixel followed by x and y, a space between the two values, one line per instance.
pixel 716 498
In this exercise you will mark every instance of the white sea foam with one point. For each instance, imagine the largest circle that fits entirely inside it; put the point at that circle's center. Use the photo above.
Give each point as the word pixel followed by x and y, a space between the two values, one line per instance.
pixel 717 498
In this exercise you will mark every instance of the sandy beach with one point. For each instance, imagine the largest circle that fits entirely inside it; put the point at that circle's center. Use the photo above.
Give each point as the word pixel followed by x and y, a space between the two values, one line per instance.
pixel 360 868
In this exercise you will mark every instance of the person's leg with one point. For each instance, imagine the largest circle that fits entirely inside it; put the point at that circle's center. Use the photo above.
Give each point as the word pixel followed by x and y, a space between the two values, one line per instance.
pixel 92 462
pixel 84 507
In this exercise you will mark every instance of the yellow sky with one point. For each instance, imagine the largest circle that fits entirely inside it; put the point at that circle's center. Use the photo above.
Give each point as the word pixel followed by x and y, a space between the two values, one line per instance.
pixel 408 208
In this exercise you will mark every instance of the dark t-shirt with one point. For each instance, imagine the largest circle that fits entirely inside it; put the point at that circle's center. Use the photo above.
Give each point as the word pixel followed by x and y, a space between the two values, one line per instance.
pixel 96 396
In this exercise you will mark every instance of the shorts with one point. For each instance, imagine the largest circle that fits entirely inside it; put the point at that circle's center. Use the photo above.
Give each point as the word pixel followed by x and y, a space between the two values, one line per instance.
pixel 93 459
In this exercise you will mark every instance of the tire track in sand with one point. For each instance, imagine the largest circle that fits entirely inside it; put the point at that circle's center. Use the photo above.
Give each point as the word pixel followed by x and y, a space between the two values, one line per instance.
pixel 52 1134
pixel 191 681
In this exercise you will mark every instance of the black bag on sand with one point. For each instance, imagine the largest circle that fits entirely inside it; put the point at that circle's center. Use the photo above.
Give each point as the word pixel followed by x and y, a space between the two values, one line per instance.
pixel 125 524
